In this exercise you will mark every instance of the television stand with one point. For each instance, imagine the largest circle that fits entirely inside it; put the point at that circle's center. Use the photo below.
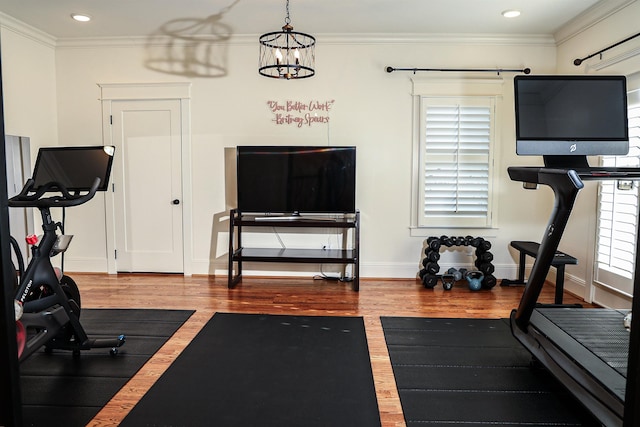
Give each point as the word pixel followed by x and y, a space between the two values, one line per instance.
pixel 239 254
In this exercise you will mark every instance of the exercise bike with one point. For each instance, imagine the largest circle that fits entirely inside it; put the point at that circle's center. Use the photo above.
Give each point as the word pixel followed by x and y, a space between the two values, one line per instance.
pixel 47 301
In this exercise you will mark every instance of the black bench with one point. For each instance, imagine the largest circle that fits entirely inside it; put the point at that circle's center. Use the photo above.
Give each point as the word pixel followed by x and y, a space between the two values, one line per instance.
pixel 560 259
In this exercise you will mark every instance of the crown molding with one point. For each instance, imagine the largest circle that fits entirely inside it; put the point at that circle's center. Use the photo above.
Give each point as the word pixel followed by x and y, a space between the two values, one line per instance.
pixel 33 33
pixel 91 42
pixel 590 17
pixel 582 22
pixel 326 39
pixel 439 39
pixel 14 25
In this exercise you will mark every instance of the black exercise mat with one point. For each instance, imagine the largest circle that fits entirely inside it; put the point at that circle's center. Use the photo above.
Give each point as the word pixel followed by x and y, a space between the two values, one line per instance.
pixel 472 372
pixel 267 370
pixel 60 390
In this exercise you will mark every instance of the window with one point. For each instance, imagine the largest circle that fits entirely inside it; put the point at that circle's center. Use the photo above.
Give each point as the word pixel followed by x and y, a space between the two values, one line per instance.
pixel 456 139
pixel 618 215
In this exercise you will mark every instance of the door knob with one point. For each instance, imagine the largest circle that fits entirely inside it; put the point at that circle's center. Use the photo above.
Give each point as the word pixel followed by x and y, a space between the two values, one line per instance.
pixel 176 202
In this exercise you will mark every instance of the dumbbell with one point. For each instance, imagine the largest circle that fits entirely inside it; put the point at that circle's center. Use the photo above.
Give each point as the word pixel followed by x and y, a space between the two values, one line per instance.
pixel 433 243
pixel 475 241
pixel 484 245
pixel 447 241
pixel 479 252
pixel 430 281
pixel 457 274
pixel 487 268
pixel 485 257
pixel 432 267
pixel 489 281
pixel 459 241
pixel 432 255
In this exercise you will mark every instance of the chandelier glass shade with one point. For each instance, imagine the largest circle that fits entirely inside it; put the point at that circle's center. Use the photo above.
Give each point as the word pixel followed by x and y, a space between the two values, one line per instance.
pixel 287 54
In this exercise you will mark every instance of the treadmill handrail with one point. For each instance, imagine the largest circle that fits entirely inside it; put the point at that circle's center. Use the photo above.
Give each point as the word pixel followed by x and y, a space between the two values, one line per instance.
pixel 566 191
pixel 566 185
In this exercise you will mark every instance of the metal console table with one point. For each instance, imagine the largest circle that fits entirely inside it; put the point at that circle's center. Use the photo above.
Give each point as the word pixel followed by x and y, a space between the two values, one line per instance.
pixel 239 254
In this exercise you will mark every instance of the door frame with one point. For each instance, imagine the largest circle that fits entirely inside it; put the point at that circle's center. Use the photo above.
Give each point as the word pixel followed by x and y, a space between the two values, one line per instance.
pixel 181 91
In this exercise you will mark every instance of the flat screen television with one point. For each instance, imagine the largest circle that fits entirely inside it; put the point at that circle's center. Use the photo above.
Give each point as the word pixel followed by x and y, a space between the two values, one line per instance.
pixel 293 180
pixel 73 167
pixel 571 116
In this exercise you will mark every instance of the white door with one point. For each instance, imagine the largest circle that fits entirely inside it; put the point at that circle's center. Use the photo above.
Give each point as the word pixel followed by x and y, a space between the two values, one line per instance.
pixel 147 178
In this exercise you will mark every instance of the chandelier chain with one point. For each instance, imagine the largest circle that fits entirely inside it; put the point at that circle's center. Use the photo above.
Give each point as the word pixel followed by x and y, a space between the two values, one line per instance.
pixel 287 20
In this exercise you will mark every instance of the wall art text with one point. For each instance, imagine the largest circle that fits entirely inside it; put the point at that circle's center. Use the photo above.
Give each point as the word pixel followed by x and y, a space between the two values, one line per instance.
pixel 299 113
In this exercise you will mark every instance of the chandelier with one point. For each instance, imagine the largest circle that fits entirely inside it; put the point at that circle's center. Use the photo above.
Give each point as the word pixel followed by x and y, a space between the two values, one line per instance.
pixel 287 54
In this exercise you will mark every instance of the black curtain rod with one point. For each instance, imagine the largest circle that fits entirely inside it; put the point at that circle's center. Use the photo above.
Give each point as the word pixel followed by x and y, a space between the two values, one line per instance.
pixel 579 61
pixel 482 70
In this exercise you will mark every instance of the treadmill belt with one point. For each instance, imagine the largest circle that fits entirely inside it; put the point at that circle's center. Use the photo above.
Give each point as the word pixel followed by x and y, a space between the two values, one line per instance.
pixel 600 331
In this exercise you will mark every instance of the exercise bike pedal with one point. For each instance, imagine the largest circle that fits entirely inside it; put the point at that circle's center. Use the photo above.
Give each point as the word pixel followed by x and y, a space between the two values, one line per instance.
pixel 76 347
pixel 114 350
pixel 112 343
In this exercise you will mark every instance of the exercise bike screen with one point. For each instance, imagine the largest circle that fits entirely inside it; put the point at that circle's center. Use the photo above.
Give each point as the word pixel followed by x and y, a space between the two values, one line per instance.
pixel 75 168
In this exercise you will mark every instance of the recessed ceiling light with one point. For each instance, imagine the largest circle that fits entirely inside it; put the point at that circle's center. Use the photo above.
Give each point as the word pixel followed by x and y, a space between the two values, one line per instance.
pixel 80 17
pixel 511 13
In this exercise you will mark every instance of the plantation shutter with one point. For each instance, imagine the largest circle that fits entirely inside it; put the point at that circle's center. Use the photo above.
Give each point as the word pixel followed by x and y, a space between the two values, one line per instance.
pixel 618 216
pixel 456 159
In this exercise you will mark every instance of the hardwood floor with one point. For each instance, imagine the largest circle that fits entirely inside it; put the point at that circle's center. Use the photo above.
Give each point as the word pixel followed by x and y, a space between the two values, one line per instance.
pixel 295 296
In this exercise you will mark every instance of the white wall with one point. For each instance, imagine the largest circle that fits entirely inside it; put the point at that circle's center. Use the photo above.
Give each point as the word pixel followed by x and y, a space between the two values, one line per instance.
pixel 29 77
pixel 372 110
pixel 29 91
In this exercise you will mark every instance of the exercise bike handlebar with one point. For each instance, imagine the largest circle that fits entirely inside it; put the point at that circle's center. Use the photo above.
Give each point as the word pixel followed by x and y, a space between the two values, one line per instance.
pixel 30 198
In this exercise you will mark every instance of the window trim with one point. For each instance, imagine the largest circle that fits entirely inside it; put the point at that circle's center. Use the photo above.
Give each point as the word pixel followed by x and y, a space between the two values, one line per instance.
pixel 454 88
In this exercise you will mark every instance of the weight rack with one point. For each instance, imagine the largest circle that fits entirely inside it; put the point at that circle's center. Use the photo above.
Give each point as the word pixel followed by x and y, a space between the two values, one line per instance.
pixel 429 273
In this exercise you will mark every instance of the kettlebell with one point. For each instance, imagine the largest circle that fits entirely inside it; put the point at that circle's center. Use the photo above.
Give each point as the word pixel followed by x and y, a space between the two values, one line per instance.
pixel 475 280
pixel 447 281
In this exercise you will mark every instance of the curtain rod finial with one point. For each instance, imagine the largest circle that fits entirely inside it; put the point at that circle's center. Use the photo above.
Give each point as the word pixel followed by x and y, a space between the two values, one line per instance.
pixel 390 69
pixel 527 71
pixel 577 62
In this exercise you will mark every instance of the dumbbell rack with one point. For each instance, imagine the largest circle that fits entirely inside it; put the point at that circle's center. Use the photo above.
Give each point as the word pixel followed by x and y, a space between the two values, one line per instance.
pixel 429 273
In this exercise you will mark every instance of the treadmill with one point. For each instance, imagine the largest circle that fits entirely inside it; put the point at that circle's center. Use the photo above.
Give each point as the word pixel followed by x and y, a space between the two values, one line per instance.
pixel 588 350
